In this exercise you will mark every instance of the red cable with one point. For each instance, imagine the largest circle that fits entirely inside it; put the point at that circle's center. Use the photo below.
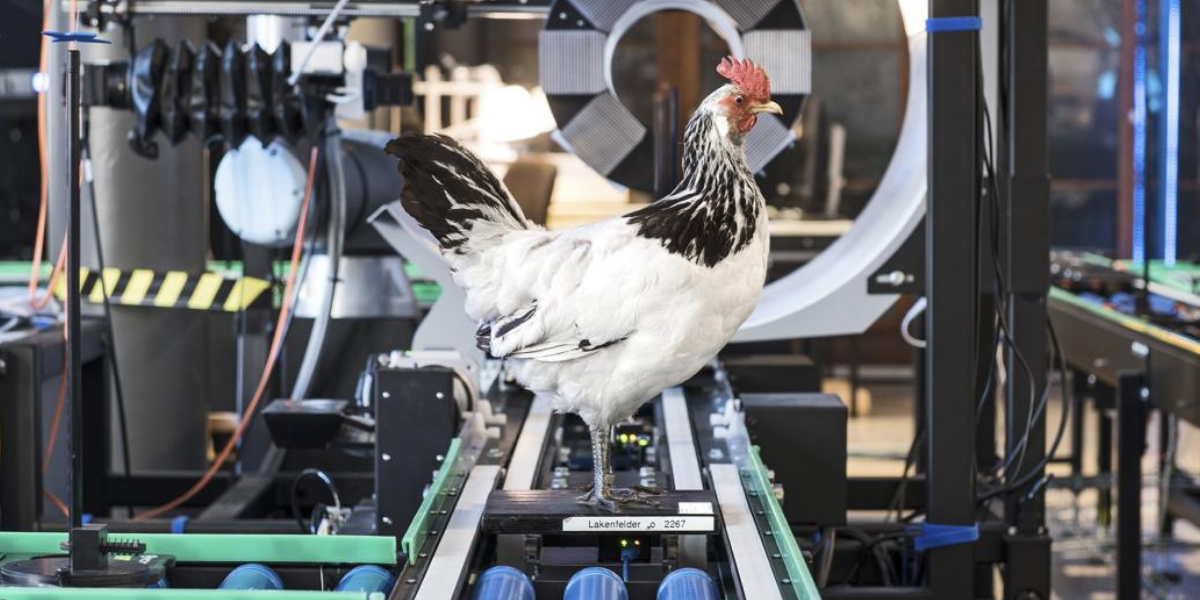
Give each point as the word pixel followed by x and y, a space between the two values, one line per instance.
pixel 276 343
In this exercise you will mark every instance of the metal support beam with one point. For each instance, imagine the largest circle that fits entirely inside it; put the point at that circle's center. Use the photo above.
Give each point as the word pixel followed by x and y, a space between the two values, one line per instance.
pixel 1024 167
pixel 950 255
pixel 1132 396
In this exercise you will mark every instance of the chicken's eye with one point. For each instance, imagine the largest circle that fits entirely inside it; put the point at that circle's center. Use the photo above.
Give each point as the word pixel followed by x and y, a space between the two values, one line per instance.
pixel 738 100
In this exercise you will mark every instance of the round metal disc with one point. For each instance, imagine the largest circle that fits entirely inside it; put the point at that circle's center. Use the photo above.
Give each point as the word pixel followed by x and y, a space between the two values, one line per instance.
pixel 54 571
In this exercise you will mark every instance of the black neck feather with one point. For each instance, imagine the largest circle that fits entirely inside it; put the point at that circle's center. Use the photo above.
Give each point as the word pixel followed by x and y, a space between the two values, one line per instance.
pixel 713 212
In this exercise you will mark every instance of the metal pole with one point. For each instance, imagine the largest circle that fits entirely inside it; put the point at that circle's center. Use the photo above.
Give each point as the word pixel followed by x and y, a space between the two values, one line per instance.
pixel 74 345
pixel 951 262
pixel 1132 397
pixel 1025 168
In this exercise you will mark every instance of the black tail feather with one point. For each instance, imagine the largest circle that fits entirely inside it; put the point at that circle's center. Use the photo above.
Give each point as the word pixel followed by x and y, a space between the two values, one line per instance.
pixel 450 191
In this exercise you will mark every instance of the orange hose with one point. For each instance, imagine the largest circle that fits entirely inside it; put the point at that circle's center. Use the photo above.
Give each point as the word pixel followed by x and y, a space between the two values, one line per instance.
pixel 276 343
pixel 59 405
pixel 57 502
pixel 39 243
pixel 58 413
pixel 40 239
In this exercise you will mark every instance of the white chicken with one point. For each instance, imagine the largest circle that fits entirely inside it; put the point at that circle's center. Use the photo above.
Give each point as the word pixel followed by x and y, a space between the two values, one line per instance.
pixel 605 316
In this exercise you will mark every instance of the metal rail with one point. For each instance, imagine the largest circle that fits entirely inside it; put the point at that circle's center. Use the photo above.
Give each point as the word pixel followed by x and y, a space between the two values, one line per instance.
pixel 292 8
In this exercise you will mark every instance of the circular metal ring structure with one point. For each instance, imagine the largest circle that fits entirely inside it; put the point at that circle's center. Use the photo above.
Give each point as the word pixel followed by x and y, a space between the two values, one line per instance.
pixel 828 296
pixel 576 49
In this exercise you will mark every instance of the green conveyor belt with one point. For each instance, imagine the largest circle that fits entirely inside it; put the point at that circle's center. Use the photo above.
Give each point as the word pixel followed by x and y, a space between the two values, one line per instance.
pixel 418 530
pixel 1143 327
pixel 228 548
pixel 212 548
pixel 801 580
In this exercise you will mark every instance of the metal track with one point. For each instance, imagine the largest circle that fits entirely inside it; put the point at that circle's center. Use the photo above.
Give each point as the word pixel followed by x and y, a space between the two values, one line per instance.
pixel 291 8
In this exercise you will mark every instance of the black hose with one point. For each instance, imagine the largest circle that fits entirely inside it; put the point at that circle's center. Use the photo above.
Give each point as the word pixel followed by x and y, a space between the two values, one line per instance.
pixel 111 346
pixel 324 477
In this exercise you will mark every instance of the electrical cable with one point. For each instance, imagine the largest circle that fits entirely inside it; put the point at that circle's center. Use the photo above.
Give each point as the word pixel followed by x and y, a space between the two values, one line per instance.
pixel 872 548
pixel 915 310
pixel 38 304
pixel 1167 470
pixel 1068 401
pixel 320 35
pixel 295 497
pixel 1017 453
pixel 334 245
pixel 272 356
pixel 52 438
pixel 111 347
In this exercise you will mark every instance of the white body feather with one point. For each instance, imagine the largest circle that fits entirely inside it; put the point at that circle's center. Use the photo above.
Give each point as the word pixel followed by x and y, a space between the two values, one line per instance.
pixel 604 316
pixel 603 282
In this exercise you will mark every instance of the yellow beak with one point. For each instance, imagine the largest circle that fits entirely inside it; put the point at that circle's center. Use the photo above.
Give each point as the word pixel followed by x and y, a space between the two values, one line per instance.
pixel 767 107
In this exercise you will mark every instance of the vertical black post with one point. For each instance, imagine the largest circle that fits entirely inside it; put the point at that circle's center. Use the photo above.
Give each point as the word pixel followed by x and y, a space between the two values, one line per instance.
pixel 74 343
pixel 1081 391
pixel 1104 468
pixel 666 140
pixel 987 377
pixel 1024 166
pixel 950 267
pixel 1131 443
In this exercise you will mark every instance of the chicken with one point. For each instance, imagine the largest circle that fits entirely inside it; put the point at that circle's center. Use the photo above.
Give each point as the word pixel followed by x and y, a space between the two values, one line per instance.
pixel 605 316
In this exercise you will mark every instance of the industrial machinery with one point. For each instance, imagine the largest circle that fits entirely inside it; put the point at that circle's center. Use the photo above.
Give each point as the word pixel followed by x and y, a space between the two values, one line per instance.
pixel 427 466
pixel 1131 332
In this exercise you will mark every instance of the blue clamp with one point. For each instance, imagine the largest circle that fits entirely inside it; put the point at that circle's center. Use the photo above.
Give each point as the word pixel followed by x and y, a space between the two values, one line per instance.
pixel 941 24
pixel 85 519
pixel 178 524
pixel 929 535
pixel 83 37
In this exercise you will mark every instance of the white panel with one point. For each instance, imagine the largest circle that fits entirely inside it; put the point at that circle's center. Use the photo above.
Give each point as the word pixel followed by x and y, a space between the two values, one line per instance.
pixel 685 469
pixel 828 296
pixel 571 62
pixel 752 567
pixel 603 133
pixel 450 561
pixel 602 13
pixel 522 469
pixel 768 138
pixel 748 12
pixel 786 55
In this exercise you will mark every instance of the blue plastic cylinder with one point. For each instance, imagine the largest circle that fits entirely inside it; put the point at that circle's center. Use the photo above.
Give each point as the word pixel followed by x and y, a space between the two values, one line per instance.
pixel 687 584
pixel 596 583
pixel 503 583
pixel 252 577
pixel 367 578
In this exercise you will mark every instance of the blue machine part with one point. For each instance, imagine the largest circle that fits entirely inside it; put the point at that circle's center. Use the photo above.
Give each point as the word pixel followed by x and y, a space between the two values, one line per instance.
pixel 1160 305
pixel 252 576
pixel 161 584
pixel 503 583
pixel 687 584
pixel 596 583
pixel 367 578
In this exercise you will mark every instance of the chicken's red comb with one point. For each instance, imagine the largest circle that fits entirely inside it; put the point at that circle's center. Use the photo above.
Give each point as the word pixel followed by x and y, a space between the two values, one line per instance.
pixel 746 75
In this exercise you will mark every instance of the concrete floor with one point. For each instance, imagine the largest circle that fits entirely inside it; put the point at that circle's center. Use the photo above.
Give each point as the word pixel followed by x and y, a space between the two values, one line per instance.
pixel 1082 567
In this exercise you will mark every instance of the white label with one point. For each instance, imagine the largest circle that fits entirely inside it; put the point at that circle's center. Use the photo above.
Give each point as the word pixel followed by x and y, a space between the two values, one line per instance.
pixel 695 508
pixel 627 524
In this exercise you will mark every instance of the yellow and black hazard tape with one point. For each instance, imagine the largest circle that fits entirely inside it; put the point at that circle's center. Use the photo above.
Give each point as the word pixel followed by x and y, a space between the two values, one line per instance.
pixel 172 289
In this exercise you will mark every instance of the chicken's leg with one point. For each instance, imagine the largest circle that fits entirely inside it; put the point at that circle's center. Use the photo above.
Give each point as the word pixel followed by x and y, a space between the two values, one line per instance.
pixel 601 492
